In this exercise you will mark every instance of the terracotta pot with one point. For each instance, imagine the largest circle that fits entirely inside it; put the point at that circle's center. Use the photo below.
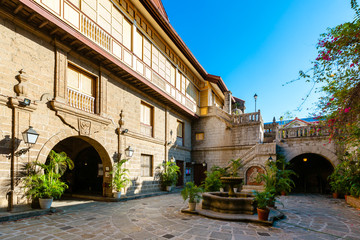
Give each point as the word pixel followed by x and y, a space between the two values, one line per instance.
pixel 35 203
pixel 283 193
pixel 263 214
pixel 335 195
pixel 192 206
pixel 45 203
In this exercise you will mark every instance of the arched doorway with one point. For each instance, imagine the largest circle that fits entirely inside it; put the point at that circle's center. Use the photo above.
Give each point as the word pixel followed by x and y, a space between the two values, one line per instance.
pixel 87 176
pixel 313 171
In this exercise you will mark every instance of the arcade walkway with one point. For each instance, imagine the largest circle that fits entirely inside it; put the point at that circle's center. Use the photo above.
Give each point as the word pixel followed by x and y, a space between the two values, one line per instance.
pixel 308 217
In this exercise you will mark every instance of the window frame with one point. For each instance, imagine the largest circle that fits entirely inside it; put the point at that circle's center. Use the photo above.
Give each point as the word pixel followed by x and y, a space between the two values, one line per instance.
pixel 95 87
pixel 152 119
pixel 150 166
pixel 179 122
pixel 199 134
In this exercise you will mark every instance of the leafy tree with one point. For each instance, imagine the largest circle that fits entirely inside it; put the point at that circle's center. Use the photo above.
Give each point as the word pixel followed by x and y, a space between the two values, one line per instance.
pixel 336 68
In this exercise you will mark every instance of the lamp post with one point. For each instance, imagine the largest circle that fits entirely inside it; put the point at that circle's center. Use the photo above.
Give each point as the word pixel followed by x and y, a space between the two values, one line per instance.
pixel 129 152
pixel 255 97
pixel 30 136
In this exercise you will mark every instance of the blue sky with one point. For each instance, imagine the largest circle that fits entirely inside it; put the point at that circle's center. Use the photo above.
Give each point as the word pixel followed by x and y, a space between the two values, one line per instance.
pixel 257 46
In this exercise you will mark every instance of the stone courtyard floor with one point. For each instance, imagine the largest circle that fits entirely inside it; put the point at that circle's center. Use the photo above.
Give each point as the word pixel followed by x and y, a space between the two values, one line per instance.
pixel 307 217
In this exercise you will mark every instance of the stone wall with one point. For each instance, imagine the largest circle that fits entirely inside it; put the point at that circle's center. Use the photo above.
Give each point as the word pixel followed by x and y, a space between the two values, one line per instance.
pixel 224 140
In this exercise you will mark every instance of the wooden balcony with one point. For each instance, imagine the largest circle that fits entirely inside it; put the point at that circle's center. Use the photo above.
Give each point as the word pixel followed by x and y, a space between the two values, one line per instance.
pixel 72 16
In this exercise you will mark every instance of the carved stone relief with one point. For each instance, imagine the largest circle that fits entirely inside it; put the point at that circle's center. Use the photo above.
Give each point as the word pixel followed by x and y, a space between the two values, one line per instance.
pixel 84 127
pixel 252 174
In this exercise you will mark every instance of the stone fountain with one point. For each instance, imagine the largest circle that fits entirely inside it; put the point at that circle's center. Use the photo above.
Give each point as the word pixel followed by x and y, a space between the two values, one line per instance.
pixel 231 202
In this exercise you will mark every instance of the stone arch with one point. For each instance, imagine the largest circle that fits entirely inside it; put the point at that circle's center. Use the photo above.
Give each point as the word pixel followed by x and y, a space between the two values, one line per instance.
pixel 321 151
pixel 96 144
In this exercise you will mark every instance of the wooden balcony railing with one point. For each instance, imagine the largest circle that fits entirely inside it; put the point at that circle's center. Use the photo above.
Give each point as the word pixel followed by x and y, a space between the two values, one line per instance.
pixel 81 101
pixel 89 28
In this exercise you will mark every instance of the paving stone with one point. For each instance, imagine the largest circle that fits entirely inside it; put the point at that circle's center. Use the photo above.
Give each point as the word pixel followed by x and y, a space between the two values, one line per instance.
pixel 220 235
pixel 307 217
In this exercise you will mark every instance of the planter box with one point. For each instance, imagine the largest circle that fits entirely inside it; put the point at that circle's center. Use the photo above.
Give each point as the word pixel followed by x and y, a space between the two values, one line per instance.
pixel 353 201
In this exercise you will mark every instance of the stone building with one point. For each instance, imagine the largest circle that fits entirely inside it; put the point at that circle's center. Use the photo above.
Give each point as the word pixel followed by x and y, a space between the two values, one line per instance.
pixel 95 78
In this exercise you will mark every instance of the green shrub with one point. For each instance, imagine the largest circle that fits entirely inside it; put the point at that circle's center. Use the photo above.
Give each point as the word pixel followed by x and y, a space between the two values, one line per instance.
pixel 192 192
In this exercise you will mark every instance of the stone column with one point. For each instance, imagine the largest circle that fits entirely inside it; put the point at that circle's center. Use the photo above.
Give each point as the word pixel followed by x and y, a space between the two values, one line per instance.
pixel 227 102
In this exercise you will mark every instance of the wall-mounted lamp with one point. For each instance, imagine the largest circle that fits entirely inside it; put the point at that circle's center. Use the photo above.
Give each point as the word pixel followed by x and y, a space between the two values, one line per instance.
pixel 26 102
pixel 204 164
pixel 270 159
pixel 172 159
pixel 124 131
pixel 30 136
pixel 305 159
pixel 129 152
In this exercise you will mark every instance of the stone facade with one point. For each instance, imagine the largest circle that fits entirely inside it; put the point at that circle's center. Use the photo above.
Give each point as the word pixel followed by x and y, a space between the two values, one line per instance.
pixel 191 119
pixel 55 121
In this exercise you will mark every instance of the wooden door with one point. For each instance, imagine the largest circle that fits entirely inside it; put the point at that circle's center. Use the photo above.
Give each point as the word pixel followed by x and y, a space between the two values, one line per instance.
pixel 199 173
pixel 180 181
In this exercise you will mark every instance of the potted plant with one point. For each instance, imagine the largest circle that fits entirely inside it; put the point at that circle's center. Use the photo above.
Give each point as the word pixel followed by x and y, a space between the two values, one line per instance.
pixel 46 184
pixel 269 178
pixel 284 183
pixel 169 175
pixel 263 199
pixel 120 178
pixel 212 182
pixel 49 187
pixel 193 193
pixel 336 181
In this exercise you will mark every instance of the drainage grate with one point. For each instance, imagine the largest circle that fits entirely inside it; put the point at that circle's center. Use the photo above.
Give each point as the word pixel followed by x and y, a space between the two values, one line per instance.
pixel 263 234
pixel 66 228
pixel 168 236
pixel 89 219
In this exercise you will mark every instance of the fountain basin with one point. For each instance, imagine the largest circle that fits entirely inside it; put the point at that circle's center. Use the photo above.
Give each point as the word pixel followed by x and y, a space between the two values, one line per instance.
pixel 221 202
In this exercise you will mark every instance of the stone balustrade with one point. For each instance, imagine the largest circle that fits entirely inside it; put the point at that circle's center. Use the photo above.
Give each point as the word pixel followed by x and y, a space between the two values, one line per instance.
pixel 302 132
pixel 247 118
